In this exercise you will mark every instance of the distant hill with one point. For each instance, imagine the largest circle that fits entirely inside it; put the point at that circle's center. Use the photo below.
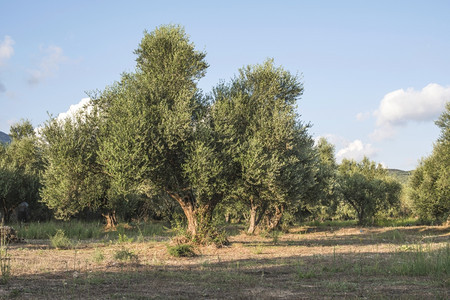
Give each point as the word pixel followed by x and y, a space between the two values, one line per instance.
pixel 400 175
pixel 4 138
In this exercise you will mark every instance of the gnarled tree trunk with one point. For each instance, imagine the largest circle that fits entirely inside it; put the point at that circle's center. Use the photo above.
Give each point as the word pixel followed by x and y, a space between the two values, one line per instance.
pixel 275 219
pixel 110 218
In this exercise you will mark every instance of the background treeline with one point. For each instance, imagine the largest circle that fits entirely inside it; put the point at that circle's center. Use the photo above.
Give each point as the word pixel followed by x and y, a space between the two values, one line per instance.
pixel 152 146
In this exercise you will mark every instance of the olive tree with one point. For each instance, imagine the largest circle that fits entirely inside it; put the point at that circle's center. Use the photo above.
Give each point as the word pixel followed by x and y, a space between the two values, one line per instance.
pixel 270 149
pixel 430 182
pixel 73 179
pixel 20 165
pixel 158 134
pixel 367 188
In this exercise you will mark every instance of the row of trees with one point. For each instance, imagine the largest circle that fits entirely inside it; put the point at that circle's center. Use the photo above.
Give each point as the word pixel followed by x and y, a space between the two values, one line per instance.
pixel 152 142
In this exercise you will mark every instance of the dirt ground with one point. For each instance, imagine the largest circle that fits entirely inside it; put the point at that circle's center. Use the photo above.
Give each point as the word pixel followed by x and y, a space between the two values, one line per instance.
pixel 306 263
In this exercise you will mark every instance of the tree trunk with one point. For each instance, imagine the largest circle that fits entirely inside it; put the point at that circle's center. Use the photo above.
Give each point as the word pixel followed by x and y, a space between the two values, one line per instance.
pixel 111 220
pixel 188 207
pixel 252 221
pixel 275 220
pixel 227 217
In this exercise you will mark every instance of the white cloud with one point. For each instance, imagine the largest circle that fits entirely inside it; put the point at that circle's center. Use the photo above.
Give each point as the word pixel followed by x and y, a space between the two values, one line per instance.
pixel 48 66
pixel 399 107
pixel 73 109
pixel 6 49
pixel 356 150
pixel 363 116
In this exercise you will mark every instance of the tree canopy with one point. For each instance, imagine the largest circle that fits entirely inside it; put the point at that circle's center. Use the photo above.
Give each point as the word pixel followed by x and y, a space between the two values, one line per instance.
pixel 430 182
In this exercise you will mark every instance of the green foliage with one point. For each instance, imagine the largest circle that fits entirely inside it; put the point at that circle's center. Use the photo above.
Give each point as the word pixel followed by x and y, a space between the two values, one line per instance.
pixel 98 256
pixel 23 129
pixel 124 254
pixel 420 261
pixel 123 238
pixel 366 187
pixel 270 150
pixel 430 182
pixel 73 179
pixel 157 119
pixel 5 260
pixel 20 165
pixel 60 240
pixel 182 250
pixel 73 229
pixel 322 198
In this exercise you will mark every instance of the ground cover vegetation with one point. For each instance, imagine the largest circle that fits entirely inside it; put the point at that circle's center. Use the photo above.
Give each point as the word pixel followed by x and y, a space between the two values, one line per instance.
pixel 313 262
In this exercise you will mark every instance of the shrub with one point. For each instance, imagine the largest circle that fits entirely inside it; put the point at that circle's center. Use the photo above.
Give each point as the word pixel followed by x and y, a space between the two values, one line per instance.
pixel 183 250
pixel 124 254
pixel 60 241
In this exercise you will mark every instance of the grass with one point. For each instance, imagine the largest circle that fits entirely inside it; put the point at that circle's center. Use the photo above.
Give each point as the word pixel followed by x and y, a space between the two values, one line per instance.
pixel 60 240
pixel 124 254
pixel 5 260
pixel 339 262
pixel 423 261
pixel 329 223
pixel 183 250
pixel 78 230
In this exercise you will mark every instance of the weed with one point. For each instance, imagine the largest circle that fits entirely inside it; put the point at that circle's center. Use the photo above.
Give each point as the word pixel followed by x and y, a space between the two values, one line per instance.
pixel 275 235
pixel 259 249
pixel 124 239
pixel 124 254
pixel 60 241
pixel 98 256
pixel 5 260
pixel 183 250
pixel 393 235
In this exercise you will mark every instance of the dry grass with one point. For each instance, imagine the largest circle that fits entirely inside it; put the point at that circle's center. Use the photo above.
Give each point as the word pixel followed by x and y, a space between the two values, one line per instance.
pixel 305 263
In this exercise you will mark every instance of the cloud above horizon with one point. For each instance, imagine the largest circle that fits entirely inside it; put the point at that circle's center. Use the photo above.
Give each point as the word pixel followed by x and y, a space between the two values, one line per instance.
pixel 346 149
pixel 73 109
pixel 401 106
pixel 6 49
pixel 356 150
pixel 48 66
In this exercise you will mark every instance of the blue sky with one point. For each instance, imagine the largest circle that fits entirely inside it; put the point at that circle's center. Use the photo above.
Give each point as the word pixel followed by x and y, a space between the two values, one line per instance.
pixel 376 73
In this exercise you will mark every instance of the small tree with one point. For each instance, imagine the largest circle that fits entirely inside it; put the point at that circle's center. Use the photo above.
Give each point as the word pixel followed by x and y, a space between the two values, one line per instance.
pixel 20 164
pixel 73 179
pixel 430 182
pixel 322 198
pixel 367 188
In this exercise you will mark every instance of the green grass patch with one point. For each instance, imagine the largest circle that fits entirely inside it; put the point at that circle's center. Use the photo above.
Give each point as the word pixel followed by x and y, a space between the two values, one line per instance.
pixel 423 261
pixel 82 230
pixel 397 222
pixel 60 240
pixel 329 223
pixel 124 254
pixel 183 250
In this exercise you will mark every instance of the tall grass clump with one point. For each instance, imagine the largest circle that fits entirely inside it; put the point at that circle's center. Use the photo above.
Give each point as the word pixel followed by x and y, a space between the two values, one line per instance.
pixel 60 240
pixel 422 262
pixel 73 229
pixel 5 260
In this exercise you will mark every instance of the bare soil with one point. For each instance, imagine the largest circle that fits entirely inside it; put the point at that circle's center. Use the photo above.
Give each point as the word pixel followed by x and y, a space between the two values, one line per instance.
pixel 306 263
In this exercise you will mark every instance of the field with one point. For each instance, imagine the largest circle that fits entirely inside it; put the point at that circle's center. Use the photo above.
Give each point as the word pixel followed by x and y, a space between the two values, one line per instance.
pixel 310 262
